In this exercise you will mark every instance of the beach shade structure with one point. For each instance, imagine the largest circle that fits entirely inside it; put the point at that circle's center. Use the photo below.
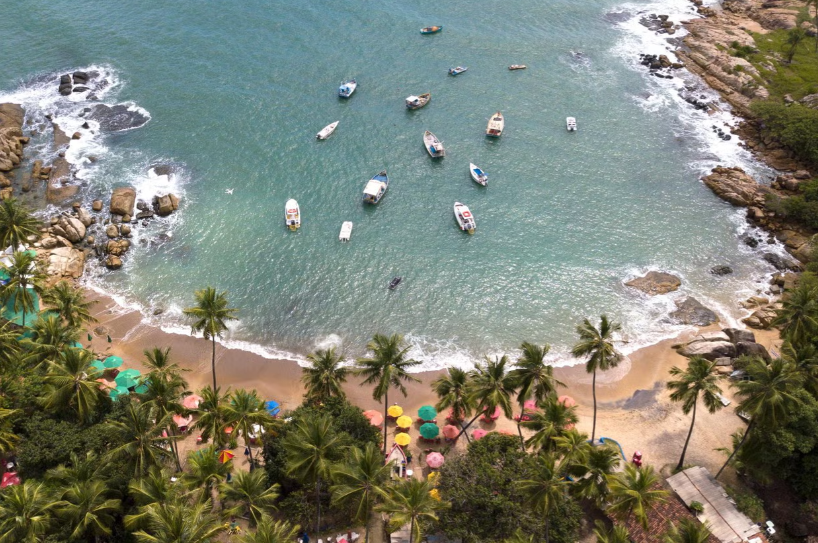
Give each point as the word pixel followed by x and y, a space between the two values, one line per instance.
pixel 77 345
pixel 427 412
pixel 114 362
pixel 132 373
pixel 496 414
pixel 434 460
pixel 10 479
pixel 375 417
pixel 141 388
pixel 98 365
pixel 567 401
pixel 117 392
pixel 479 434
pixel 450 431
pixel 272 407
pixel 404 421
pixel 181 421
pixel 192 401
pixel 530 405
pixel 403 439
pixel 429 431
pixel 125 381
pixel 394 411
pixel 225 457
pixel 228 430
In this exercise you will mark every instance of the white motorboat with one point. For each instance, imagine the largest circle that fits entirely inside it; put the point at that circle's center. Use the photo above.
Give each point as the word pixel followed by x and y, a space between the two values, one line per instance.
pixel 346 90
pixel 480 177
pixel 464 217
pixel 496 125
pixel 517 67
pixel 346 231
pixel 326 131
pixel 417 102
pixel 292 215
pixel 571 124
pixel 433 145
pixel 376 188
pixel 457 71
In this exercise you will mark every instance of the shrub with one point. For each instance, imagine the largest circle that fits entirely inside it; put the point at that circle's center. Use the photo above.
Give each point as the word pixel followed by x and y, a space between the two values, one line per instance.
pixel 696 507
pixel 795 126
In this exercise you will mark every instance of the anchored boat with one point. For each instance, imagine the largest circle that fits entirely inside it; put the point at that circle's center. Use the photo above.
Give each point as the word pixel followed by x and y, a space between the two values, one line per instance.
pixel 464 218
pixel 292 215
pixel 517 67
pixel 346 89
pixel 376 188
pixel 417 102
pixel 433 145
pixel 571 124
pixel 431 29
pixel 457 71
pixel 496 125
pixel 326 131
pixel 346 231
pixel 480 177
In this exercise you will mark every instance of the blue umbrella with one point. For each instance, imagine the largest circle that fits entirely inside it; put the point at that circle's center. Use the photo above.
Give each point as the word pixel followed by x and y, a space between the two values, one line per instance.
pixel 272 407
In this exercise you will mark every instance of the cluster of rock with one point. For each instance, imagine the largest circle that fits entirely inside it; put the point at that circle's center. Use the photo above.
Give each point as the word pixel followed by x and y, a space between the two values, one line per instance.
pixel 11 143
pixel 660 23
pixel 688 311
pixel 721 133
pixel 723 347
pixel 80 80
pixel 659 65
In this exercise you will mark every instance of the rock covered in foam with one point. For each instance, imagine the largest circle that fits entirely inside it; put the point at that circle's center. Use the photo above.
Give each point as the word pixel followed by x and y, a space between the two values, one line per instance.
pixel 655 282
pixel 118 117
pixel 692 311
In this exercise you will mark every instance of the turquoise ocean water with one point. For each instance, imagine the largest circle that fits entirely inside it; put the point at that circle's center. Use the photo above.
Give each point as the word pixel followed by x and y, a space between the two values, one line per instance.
pixel 235 93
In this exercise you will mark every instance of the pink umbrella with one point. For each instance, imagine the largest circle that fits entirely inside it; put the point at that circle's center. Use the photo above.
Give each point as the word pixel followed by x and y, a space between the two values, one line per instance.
pixel 191 402
pixel 567 401
pixel 450 431
pixel 530 405
pixel 181 421
pixel 10 479
pixel 434 460
pixel 496 414
pixel 479 433
pixel 375 417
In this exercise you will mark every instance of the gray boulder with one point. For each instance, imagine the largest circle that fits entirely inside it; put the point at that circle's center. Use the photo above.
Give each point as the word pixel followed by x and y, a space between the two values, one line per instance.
pixel 711 350
pixel 745 348
pixel 721 270
pixel 73 229
pixel 691 311
pixel 122 201
pixel 724 361
pixel 737 334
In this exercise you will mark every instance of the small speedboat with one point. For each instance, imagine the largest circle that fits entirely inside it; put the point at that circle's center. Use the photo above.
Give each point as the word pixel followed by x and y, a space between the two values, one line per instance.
pixel 517 67
pixel 433 145
pixel 376 188
pixel 496 125
pixel 480 177
pixel 346 231
pixel 464 218
pixel 571 124
pixel 395 282
pixel 457 71
pixel 431 29
pixel 326 131
pixel 346 90
pixel 417 102
pixel 292 215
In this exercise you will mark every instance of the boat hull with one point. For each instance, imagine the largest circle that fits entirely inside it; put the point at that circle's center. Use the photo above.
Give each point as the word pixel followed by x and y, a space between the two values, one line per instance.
pixel 376 188
pixel 346 90
pixel 421 101
pixel 478 175
pixel 327 131
pixel 465 219
pixel 431 29
pixel 496 125
pixel 433 145
pixel 292 215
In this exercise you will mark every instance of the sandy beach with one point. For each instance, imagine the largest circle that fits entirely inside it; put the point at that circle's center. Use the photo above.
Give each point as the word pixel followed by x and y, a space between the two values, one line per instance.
pixel 634 404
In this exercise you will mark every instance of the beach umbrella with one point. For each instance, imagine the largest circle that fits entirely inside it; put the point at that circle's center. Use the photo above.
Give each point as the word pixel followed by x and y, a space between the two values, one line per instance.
pixel 434 460
pixel 228 430
pixel 225 457
pixel 141 389
pixel 125 381
pixel 117 392
pixel 478 434
pixel 272 407
pixel 191 402
pixel 97 365
pixel 496 414
pixel 10 479
pixel 404 422
pixel 112 362
pixel 394 411
pixel 530 405
pixel 182 421
pixel 427 412
pixel 403 439
pixel 375 417
pixel 450 431
pixel 132 373
pixel 567 401
pixel 77 345
pixel 429 430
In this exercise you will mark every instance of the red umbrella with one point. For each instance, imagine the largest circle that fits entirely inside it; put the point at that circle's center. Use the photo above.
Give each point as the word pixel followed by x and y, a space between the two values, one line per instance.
pixel 225 457
pixel 567 401
pixel 434 460
pixel 479 433
pixel 450 431
pixel 10 479
pixel 375 417
pixel 191 402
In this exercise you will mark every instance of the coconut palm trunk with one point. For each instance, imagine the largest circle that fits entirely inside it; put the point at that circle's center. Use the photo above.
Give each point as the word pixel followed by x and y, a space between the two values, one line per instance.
pixel 174 446
pixel 213 360
pixel 593 391
pixel 318 506
pixel 385 409
pixel 466 427
pixel 740 443
pixel 687 441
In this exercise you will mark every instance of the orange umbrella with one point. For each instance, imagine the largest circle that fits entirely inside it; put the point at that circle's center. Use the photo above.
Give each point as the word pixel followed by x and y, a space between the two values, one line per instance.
pixel 225 457
pixel 403 439
pixel 375 417
pixel 404 422
pixel 228 430
pixel 395 411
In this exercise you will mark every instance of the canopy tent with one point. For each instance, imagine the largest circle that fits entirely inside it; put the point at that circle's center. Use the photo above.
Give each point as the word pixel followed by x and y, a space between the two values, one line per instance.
pixel 450 431
pixel 394 411
pixel 404 422
pixel 403 439
pixel 375 417
pixel 567 401
pixel 434 460
pixel 429 430
pixel 192 401
pixel 427 412
pixel 114 362
pixel 479 434
pixel 272 407
pixel 181 421
pixel 225 457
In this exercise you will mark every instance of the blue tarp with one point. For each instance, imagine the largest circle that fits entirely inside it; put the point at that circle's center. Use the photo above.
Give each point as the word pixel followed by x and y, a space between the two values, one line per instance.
pixel 272 407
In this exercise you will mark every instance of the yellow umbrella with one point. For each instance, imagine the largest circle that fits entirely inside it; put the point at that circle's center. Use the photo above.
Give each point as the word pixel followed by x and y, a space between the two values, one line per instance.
pixel 402 439
pixel 404 422
pixel 395 411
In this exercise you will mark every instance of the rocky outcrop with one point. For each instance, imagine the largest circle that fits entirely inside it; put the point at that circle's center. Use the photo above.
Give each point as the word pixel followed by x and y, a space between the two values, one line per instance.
pixel 59 182
pixel 70 228
pixel 737 334
pixel 735 186
pixel 66 262
pixel 118 117
pixel 166 204
pixel 721 270
pixel 711 350
pixel 122 201
pixel 746 348
pixel 691 311
pixel 11 136
pixel 654 283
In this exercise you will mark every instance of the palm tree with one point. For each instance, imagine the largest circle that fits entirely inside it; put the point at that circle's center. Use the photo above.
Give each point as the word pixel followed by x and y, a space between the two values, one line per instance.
pixel 311 449
pixel 268 531
pixel 140 432
pixel 157 361
pixel 325 375
pixel 554 420
pixel 534 378
pixel 453 393
pixel 149 491
pixel 573 447
pixel 180 523
pixel 244 411
pixel 210 316
pixel 519 537
pixel 360 482
pixel 25 513
pixel 88 508
pixel 386 369
pixel 206 472
pixel 698 379
pixel 79 470
pixel 492 387
pixel 25 280
pixel 16 224
pixel 805 360
pixel 593 474
pixel 409 502
pixel 597 346
pixel 798 316
pixel 213 415
pixel 545 490
pixel 70 303
pixel 48 337
pixel 688 531
pixel 71 384
pixel 250 495
pixel 8 345
pixel 634 492
pixel 8 439
pixel 766 397
pixel 165 391
pixel 617 534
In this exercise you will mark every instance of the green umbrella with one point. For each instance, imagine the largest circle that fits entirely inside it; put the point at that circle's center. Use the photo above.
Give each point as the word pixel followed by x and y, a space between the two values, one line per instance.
pixel 117 392
pixel 112 362
pixel 97 365
pixel 427 412
pixel 141 389
pixel 77 345
pixel 429 430
pixel 126 382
